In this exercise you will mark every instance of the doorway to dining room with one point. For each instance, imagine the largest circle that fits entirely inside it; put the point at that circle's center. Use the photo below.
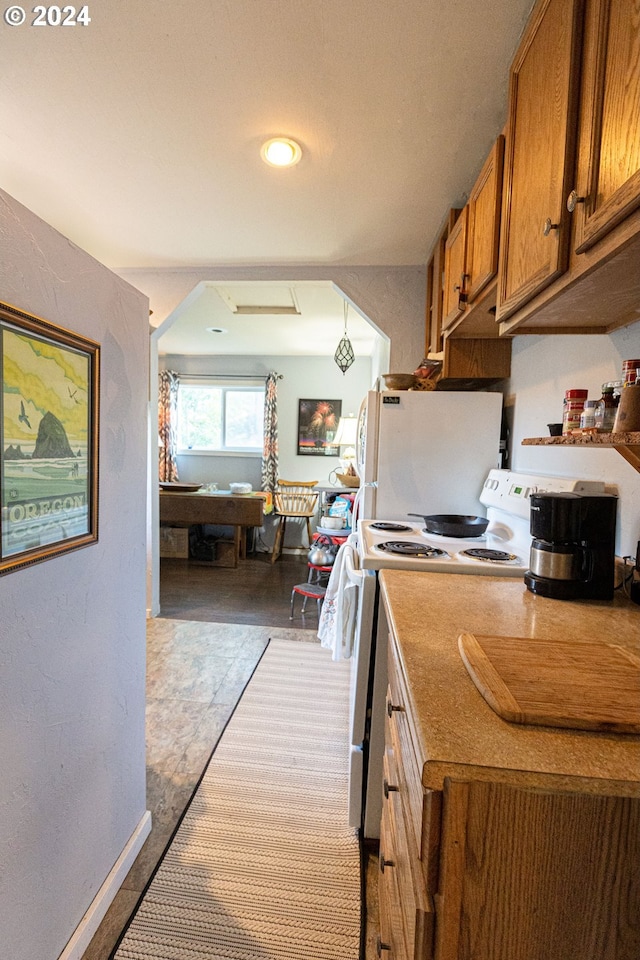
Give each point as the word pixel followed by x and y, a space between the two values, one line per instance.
pixel 315 317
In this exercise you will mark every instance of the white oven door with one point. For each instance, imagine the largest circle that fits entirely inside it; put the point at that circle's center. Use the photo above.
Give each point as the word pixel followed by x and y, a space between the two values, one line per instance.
pixel 359 693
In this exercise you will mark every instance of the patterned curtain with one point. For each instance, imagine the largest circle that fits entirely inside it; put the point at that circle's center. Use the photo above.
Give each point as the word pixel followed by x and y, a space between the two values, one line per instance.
pixel 167 409
pixel 270 442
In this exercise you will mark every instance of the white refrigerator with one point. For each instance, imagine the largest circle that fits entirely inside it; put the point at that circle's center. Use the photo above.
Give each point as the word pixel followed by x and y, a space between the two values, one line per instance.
pixel 417 452
pixel 425 452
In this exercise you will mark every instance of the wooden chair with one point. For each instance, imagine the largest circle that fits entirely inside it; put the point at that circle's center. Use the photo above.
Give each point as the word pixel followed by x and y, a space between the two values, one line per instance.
pixel 293 498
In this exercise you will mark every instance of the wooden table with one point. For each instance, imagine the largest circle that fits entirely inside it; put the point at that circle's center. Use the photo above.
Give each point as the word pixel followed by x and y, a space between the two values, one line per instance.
pixel 223 509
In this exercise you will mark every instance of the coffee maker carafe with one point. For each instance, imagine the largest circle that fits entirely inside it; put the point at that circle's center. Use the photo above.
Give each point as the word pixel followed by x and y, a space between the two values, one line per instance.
pixel 572 552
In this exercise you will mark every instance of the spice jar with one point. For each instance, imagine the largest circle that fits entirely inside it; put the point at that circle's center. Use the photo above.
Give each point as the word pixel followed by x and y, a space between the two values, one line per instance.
pixel 588 416
pixel 629 371
pixel 572 408
pixel 606 408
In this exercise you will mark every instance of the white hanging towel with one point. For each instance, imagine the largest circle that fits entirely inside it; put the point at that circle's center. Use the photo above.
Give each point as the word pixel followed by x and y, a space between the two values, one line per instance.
pixel 336 628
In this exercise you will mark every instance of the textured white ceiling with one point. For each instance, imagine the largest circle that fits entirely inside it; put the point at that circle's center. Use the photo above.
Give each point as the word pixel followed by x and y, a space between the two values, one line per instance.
pixel 314 331
pixel 138 135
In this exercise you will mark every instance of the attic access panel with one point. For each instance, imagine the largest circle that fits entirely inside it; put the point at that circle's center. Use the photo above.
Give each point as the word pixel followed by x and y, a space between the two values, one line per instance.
pixel 256 299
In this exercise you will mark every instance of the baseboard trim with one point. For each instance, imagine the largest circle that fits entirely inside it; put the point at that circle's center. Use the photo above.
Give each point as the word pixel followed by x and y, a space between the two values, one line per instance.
pixel 94 916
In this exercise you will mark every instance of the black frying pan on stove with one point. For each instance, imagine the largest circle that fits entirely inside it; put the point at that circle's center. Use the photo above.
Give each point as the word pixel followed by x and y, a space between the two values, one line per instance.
pixel 453 524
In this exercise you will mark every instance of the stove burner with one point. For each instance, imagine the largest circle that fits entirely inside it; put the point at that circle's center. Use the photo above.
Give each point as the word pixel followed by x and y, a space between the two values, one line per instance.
pixel 407 548
pixel 391 527
pixel 493 556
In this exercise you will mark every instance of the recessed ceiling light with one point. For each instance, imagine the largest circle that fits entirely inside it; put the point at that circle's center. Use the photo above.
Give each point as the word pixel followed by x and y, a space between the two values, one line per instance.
pixel 281 152
pixel 216 330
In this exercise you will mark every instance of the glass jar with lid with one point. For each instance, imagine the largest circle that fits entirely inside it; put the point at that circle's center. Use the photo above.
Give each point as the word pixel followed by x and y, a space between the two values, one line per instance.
pixel 572 407
pixel 630 372
pixel 605 412
pixel 588 416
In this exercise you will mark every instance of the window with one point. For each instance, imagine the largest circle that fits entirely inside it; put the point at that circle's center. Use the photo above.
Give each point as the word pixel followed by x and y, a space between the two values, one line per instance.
pixel 220 417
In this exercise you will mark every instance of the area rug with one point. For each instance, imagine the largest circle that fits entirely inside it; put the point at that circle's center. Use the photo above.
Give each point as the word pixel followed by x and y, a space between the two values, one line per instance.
pixel 264 865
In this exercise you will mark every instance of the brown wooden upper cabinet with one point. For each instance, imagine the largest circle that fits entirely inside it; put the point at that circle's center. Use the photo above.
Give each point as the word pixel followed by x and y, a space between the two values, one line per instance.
pixel 607 185
pixel 483 241
pixel 541 128
pixel 572 171
pixel 455 277
pixel 471 352
pixel 471 252
pixel 435 283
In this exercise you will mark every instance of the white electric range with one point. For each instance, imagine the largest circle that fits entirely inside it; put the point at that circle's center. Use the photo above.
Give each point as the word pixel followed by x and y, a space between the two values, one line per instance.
pixel 502 550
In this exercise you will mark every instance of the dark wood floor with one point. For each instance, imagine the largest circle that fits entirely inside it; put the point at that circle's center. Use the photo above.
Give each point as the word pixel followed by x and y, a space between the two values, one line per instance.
pixel 255 592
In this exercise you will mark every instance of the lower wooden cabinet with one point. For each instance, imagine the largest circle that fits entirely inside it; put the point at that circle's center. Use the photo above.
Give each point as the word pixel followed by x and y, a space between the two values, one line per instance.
pixel 406 908
pixel 490 867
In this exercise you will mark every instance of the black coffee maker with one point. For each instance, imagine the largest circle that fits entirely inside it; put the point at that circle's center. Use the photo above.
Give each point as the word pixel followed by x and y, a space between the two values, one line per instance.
pixel 572 552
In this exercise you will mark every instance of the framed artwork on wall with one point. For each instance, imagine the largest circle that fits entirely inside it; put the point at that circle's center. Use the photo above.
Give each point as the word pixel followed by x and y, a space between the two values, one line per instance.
pixel 317 425
pixel 48 440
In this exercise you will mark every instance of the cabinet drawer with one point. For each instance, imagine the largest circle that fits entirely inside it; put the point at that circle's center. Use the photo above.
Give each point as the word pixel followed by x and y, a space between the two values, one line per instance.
pixel 401 873
pixel 409 771
pixel 422 807
pixel 392 941
pixel 391 945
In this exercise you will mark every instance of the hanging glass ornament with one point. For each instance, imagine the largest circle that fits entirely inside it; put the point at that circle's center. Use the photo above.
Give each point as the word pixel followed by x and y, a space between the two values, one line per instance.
pixel 344 355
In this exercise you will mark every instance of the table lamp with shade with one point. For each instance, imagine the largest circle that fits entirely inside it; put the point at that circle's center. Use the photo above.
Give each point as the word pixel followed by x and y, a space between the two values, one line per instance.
pixel 345 438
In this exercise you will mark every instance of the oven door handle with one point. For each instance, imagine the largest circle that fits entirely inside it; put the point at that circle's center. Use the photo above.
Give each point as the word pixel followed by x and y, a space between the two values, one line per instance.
pixel 354 575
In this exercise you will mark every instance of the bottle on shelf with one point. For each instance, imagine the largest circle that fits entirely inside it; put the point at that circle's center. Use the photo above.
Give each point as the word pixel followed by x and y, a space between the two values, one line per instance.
pixel 606 407
pixel 588 416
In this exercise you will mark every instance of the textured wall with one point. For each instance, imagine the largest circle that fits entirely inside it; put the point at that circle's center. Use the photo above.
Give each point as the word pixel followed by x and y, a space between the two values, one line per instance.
pixel 392 298
pixel 73 628
pixel 542 368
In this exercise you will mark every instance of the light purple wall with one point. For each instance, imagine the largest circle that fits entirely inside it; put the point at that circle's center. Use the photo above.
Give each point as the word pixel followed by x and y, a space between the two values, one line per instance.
pixel 392 298
pixel 72 629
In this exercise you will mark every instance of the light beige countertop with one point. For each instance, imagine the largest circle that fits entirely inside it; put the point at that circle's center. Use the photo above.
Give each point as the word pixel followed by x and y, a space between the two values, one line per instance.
pixel 455 726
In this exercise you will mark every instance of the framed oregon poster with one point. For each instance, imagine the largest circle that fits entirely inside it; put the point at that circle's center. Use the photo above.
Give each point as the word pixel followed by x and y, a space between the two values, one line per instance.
pixel 48 440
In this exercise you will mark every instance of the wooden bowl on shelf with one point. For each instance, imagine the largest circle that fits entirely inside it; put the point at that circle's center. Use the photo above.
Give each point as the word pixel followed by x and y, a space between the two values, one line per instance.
pixel 399 381
pixel 348 480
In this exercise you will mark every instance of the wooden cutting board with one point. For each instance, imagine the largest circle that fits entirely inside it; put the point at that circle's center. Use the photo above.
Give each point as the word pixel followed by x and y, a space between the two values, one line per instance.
pixel 585 686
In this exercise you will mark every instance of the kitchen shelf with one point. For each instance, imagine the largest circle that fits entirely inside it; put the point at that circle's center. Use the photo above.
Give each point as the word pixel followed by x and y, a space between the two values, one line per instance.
pixel 627 444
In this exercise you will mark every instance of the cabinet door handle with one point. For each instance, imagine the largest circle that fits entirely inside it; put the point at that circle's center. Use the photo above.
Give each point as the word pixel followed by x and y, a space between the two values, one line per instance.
pixel 573 200
pixel 388 788
pixel 391 708
pixel 548 227
pixel 385 863
pixel 380 946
